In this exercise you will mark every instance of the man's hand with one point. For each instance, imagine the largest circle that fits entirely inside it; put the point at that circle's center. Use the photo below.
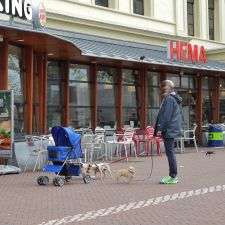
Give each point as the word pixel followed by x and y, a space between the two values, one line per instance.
pixel 157 134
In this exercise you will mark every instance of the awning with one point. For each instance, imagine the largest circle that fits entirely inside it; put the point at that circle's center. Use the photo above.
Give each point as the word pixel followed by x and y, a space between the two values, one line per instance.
pixel 90 46
pixel 129 51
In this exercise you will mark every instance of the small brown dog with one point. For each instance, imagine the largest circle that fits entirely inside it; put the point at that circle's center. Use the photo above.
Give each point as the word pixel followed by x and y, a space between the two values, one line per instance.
pixel 129 173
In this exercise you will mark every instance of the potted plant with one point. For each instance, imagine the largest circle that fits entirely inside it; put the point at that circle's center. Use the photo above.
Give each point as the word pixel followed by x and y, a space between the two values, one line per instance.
pixel 5 138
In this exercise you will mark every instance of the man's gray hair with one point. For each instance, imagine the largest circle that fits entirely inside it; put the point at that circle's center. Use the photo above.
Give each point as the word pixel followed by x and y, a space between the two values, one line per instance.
pixel 167 83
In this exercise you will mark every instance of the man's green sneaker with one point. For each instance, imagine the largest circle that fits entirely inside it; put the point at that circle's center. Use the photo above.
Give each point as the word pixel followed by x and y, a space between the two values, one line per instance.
pixel 169 180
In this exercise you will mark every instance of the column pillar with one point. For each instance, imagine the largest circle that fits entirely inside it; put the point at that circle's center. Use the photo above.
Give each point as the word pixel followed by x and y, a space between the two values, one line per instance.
pixel 216 100
pixel 40 71
pixel 199 109
pixel 67 94
pixel 29 55
pixel 45 78
pixel 4 65
pixel 119 98
pixel 94 96
pixel 143 99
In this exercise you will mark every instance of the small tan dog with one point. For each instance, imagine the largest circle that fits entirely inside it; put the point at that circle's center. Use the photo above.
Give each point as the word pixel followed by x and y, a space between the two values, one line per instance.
pixel 129 173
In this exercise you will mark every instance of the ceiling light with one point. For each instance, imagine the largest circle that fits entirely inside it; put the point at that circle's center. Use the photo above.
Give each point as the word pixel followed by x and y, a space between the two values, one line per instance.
pixel 50 54
pixel 20 40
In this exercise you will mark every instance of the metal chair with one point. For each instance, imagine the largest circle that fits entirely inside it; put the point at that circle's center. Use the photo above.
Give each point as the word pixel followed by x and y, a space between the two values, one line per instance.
pixel 123 139
pixel 187 135
pixel 86 142
pixel 35 147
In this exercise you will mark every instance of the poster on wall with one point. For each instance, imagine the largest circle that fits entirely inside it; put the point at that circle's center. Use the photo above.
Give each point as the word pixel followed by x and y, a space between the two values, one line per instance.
pixel 6 124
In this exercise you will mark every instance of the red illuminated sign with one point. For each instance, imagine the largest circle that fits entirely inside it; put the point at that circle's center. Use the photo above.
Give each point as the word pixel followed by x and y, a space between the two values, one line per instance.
pixel 186 52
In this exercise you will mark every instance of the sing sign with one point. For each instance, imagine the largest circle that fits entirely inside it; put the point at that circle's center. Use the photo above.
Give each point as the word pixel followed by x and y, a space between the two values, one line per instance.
pixel 186 52
pixel 18 8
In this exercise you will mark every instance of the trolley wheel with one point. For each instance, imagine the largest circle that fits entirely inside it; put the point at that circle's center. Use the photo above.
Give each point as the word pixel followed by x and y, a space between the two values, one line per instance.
pixel 68 178
pixel 87 179
pixel 55 183
pixel 40 180
pixel 58 181
pixel 45 180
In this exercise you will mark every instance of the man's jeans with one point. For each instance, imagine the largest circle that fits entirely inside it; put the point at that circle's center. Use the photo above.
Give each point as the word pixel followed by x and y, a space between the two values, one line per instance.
pixel 170 153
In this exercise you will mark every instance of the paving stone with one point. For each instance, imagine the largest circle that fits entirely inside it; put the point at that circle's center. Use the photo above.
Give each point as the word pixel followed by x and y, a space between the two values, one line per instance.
pixel 24 202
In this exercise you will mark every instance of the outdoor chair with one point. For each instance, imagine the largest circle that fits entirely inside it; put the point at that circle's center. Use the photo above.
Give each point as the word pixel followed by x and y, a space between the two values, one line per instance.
pixel 86 144
pixel 154 140
pixel 35 145
pixel 187 135
pixel 98 147
pixel 122 139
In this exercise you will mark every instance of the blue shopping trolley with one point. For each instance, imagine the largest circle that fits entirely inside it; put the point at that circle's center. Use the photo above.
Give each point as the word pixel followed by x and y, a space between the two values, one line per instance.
pixel 64 159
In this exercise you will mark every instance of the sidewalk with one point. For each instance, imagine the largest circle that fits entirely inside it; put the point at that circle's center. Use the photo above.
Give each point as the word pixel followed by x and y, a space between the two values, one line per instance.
pixel 197 200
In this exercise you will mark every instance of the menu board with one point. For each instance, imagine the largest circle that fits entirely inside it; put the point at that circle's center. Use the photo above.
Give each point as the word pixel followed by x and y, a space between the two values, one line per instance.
pixel 6 124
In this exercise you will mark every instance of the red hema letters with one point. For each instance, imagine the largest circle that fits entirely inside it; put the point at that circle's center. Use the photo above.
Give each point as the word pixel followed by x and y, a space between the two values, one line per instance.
pixel 185 52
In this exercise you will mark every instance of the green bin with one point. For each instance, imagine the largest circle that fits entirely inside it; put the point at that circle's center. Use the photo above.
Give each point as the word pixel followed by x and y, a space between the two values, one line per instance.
pixel 215 139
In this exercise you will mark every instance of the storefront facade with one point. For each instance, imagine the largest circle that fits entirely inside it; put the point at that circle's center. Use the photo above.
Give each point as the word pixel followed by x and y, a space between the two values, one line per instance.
pixel 82 80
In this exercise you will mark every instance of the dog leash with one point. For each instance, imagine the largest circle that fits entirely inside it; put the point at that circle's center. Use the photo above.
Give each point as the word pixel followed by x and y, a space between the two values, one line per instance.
pixel 147 178
pixel 150 175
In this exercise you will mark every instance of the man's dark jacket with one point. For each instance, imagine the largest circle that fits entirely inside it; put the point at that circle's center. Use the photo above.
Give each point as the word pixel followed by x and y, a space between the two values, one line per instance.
pixel 169 117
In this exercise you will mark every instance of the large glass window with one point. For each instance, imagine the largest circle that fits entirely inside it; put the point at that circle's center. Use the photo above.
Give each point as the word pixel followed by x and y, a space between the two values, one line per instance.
pixel 17 83
pixel 222 100
pixel 55 90
pixel 153 97
pixel 107 89
pixel 190 17
pixel 102 3
pixel 186 86
pixel 211 19
pixel 80 104
pixel 131 97
pixel 138 7
pixel 207 100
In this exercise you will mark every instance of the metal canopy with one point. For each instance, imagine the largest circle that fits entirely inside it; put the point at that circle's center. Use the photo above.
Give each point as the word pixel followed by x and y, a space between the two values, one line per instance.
pixel 95 46
pixel 129 51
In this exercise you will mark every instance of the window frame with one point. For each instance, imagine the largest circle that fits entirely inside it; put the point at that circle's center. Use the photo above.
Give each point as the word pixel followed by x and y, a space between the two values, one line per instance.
pixel 142 11
pixel 102 3
pixel 211 20
pixel 192 25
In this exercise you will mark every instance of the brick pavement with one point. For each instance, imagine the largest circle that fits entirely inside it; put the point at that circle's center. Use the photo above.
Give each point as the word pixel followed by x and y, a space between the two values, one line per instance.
pixel 23 202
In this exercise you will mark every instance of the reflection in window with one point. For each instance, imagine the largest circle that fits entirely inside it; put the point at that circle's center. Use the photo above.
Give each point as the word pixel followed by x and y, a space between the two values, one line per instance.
pixel 79 96
pixel 16 82
pixel 211 19
pixel 183 81
pixel 207 100
pixel 186 86
pixel 131 95
pixel 102 3
pixel 222 100
pixel 55 104
pixel 190 17
pixel 107 89
pixel 153 97
pixel 175 78
pixel 138 7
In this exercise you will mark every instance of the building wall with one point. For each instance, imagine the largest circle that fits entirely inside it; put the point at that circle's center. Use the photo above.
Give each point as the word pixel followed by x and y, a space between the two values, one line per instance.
pixel 163 20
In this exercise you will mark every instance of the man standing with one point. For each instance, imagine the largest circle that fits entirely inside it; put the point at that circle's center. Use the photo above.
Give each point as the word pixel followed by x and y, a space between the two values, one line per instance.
pixel 169 124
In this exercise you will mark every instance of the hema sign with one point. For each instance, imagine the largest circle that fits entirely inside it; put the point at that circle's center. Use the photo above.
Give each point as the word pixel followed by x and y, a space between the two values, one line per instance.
pixel 18 8
pixel 186 52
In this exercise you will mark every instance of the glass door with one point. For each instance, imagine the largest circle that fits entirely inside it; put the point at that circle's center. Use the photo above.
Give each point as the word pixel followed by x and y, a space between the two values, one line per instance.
pixel 188 108
pixel 55 86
